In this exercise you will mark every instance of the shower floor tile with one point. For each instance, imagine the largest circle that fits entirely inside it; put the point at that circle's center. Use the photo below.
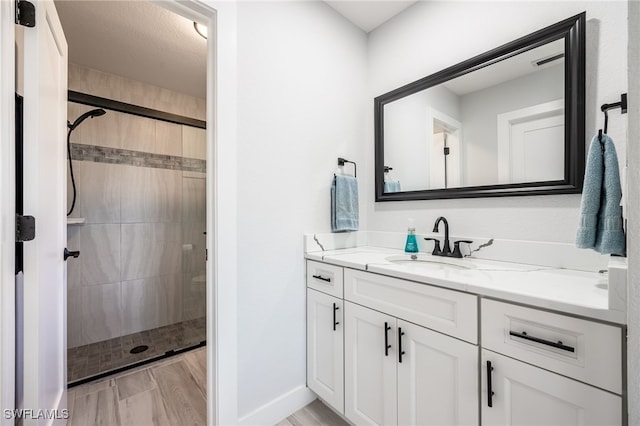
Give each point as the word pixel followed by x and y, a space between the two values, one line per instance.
pixel 100 357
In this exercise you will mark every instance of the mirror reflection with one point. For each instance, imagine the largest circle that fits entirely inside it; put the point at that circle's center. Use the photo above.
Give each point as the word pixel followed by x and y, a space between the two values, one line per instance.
pixel 501 124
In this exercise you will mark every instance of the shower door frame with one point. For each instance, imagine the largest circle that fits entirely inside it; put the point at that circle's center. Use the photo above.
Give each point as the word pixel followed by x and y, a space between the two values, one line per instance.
pixel 86 99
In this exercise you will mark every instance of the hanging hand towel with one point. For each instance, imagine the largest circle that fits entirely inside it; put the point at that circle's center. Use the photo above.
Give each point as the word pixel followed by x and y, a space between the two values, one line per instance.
pixel 392 186
pixel 344 204
pixel 601 226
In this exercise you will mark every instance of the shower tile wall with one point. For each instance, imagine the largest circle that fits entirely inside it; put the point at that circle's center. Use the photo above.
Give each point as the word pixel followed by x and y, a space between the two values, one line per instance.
pixel 142 245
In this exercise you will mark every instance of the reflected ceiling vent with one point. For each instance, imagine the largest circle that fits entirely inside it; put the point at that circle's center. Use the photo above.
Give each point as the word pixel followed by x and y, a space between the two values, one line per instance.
pixel 547 60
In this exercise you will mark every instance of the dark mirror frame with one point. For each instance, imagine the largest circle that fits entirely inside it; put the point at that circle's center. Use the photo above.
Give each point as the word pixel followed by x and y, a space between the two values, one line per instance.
pixel 573 32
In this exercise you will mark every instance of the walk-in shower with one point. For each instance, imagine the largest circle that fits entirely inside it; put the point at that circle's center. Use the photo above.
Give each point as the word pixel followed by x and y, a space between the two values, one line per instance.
pixel 137 291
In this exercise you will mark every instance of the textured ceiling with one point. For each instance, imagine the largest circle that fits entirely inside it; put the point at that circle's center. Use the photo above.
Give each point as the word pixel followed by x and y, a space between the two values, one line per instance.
pixel 142 41
pixel 369 14
pixel 137 40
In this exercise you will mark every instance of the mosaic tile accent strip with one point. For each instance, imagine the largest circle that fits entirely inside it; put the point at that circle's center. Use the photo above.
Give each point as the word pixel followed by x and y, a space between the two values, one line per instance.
pixel 103 154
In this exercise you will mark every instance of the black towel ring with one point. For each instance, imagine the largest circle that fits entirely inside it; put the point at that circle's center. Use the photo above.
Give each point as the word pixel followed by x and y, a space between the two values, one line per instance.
pixel 341 162
pixel 605 109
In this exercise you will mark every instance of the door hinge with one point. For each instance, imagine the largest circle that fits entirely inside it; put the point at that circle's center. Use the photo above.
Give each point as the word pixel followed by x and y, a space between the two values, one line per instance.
pixel 25 13
pixel 25 228
pixel 446 150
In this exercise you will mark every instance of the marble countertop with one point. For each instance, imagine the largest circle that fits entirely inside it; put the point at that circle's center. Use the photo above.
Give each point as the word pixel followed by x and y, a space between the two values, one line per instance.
pixel 570 291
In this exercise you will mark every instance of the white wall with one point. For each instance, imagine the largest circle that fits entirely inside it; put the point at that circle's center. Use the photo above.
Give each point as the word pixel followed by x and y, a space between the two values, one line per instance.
pixel 430 36
pixel 633 230
pixel 301 104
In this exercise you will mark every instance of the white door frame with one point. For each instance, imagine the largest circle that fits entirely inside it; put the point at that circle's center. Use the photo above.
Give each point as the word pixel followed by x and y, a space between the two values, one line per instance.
pixel 221 204
pixel 222 399
pixel 7 208
pixel 504 123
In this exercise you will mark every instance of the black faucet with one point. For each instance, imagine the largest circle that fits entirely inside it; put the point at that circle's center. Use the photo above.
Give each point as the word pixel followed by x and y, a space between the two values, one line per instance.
pixel 446 249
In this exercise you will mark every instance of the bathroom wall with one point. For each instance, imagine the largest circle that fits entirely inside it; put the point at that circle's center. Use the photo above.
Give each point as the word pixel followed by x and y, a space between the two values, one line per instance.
pixel 431 36
pixel 302 102
pixel 633 228
pixel 142 245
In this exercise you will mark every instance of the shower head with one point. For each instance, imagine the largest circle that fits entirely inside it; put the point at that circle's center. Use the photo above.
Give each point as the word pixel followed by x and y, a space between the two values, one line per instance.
pixel 92 113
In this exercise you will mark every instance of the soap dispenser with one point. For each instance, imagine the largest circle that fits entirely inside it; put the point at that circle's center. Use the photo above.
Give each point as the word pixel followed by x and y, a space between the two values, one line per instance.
pixel 411 245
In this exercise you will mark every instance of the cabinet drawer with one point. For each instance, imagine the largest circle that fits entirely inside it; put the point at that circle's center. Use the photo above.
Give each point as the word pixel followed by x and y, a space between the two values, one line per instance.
pixel 325 278
pixel 584 350
pixel 439 309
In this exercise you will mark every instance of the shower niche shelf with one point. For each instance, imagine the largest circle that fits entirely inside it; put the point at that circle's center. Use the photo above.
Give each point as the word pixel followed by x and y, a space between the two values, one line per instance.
pixel 76 220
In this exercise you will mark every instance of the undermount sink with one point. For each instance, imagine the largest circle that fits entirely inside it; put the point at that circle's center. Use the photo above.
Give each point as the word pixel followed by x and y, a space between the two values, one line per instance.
pixel 428 262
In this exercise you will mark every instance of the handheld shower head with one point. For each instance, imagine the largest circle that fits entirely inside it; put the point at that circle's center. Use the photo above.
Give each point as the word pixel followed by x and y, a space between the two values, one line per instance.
pixel 92 113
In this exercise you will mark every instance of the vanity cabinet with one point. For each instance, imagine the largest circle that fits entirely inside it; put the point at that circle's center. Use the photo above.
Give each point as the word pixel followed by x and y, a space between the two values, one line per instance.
pixel 398 370
pixel 567 371
pixel 389 351
pixel 523 394
pixel 370 366
pixel 325 367
pixel 400 373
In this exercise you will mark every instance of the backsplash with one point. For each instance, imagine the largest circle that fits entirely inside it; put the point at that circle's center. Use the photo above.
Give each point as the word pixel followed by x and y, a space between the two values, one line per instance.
pixel 551 254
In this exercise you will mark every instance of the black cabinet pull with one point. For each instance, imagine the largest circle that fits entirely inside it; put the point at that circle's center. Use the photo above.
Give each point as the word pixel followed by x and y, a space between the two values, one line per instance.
pixel 557 344
pixel 400 351
pixel 335 308
pixel 489 387
pixel 320 277
pixel 387 346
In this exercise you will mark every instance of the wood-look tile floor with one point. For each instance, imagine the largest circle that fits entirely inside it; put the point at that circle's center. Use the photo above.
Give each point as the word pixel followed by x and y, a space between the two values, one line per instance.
pixel 314 414
pixel 169 392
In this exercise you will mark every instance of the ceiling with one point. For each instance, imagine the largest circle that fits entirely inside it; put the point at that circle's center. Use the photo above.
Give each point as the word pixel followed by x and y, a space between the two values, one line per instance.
pixel 142 41
pixel 368 15
pixel 137 40
pixel 506 70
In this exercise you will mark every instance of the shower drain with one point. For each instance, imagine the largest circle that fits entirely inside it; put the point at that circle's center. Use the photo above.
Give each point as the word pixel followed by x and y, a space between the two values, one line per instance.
pixel 139 349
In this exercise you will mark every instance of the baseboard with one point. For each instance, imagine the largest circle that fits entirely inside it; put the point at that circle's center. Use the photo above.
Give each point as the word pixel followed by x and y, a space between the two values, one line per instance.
pixel 278 409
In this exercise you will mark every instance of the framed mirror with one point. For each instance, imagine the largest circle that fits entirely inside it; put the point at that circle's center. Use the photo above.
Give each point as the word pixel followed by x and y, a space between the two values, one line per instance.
pixel 507 122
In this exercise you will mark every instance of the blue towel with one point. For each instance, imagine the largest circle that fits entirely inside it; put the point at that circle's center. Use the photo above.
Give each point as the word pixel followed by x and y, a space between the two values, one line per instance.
pixel 601 224
pixel 344 204
pixel 392 186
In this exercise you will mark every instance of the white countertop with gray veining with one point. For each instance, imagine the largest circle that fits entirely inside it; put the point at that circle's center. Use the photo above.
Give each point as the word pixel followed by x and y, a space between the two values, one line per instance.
pixel 570 291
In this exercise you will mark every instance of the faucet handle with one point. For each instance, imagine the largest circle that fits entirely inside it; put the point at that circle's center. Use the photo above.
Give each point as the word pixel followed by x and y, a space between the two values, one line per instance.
pixel 436 247
pixel 456 248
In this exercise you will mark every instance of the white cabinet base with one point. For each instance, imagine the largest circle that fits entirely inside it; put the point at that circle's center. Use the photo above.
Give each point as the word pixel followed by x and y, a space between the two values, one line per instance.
pixel 325 348
pixel 437 379
pixel 369 374
pixel 527 395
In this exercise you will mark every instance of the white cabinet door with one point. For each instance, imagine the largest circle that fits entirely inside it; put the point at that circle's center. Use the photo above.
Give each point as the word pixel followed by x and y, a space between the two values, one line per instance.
pixel 325 367
pixel 370 366
pixel 437 379
pixel 527 395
